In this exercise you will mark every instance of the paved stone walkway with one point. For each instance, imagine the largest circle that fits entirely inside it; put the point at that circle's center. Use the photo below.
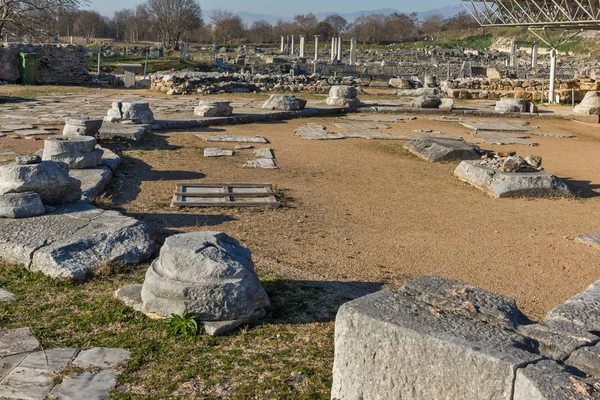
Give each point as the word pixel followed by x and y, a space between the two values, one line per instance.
pixel 26 372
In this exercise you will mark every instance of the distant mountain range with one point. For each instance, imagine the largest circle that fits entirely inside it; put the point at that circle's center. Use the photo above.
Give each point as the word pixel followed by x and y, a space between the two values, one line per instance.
pixel 249 18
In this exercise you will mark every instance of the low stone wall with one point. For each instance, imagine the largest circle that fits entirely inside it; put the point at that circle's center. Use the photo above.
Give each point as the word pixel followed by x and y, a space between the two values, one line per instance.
pixel 517 88
pixel 57 64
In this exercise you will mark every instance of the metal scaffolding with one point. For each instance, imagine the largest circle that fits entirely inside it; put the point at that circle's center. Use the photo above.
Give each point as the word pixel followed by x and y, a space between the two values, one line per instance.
pixel 543 18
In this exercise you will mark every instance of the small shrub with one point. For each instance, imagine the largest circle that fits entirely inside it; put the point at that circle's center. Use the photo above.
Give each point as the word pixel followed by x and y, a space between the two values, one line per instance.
pixel 184 324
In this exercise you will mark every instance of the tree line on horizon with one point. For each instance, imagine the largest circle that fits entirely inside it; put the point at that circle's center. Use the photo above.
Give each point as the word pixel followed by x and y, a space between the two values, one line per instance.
pixel 172 21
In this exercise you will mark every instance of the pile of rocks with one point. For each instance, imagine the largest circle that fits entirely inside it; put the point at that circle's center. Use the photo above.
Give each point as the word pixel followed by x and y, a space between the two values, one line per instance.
pixel 512 163
pixel 229 82
pixel 208 273
pixel 343 96
pixel 213 108
pixel 435 338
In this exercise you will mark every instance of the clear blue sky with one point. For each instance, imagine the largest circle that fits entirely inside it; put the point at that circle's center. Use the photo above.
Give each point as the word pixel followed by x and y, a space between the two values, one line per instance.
pixel 286 8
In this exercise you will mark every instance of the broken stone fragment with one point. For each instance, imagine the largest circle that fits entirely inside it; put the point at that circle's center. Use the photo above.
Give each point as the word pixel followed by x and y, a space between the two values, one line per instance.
pixel 586 359
pixel 49 179
pixel 21 205
pixel 426 102
pixel 28 160
pixel 442 149
pixel 513 164
pixel 432 339
pixel 558 340
pixel 212 108
pixel 581 309
pixel 534 161
pixel 209 274
pixel 284 102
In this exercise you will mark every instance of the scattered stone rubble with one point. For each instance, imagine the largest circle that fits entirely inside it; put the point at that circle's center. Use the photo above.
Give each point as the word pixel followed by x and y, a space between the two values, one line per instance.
pixel 208 273
pixel 26 371
pixel 408 343
pixel 512 177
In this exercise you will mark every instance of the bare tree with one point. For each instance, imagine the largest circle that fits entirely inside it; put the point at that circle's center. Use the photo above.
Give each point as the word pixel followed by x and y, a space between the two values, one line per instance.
pixel 35 17
pixel 261 32
pixel 337 22
pixel 306 24
pixel 432 25
pixel 88 24
pixel 172 18
pixel 227 26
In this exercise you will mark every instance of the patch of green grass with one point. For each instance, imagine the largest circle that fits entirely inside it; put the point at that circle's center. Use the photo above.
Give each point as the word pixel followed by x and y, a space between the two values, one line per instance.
pixel 289 355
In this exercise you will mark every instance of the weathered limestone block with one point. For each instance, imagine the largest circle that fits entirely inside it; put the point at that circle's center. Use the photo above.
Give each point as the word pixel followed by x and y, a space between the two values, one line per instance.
pixel 284 102
pixel 74 240
pixel 138 112
pixel 426 102
pixel 21 205
pixel 343 96
pixel 558 340
pixel 208 273
pixel 508 105
pixel 399 83
pixel 49 179
pixel 548 380
pixel 586 359
pixel 590 105
pixel 82 126
pixel 78 152
pixel 114 131
pixel 442 150
pixel 212 108
pixel 504 184
pixel 418 92
pixel 446 104
pixel 93 181
pixel 428 340
pixel 581 309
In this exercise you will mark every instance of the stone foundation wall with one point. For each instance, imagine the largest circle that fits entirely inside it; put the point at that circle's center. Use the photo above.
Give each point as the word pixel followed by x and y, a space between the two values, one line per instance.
pixel 57 64
pixel 517 88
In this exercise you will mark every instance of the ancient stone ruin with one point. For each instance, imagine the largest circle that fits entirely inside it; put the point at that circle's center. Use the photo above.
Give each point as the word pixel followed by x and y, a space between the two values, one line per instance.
pixel 435 338
pixel 284 102
pixel 442 149
pixel 213 108
pixel 590 105
pixel 207 273
pixel 343 96
pixel 78 152
pixel 512 177
pixel 129 121
pixel 82 126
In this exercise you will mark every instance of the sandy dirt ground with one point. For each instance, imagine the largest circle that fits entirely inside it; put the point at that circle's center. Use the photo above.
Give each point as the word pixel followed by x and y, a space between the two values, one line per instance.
pixel 367 211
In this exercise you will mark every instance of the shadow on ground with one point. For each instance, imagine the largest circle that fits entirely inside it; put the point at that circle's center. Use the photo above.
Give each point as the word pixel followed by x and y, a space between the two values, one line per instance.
pixel 583 189
pixel 299 302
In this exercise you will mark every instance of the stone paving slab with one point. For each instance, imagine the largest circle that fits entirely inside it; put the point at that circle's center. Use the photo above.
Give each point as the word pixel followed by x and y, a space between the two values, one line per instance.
pixel 497 126
pixel 73 240
pixel 552 134
pixel 504 138
pixel 101 357
pixel 361 127
pixel 382 118
pixel 86 386
pixel 264 153
pixel 217 152
pixel 17 341
pixel 232 138
pixel 6 296
pixel 261 163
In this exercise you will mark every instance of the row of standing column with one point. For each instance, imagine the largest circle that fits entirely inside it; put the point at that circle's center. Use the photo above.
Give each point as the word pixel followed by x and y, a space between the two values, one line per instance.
pixel 287 47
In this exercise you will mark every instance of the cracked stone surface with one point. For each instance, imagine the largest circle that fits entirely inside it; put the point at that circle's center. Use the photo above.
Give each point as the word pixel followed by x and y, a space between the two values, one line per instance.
pixel 264 153
pixel 17 341
pixel 442 149
pixel 581 309
pixel 73 240
pixel 382 118
pixel 217 152
pixel 493 126
pixel 394 343
pixel 319 132
pixel 30 375
pixel 261 163
pixel 504 138
pixel 408 343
